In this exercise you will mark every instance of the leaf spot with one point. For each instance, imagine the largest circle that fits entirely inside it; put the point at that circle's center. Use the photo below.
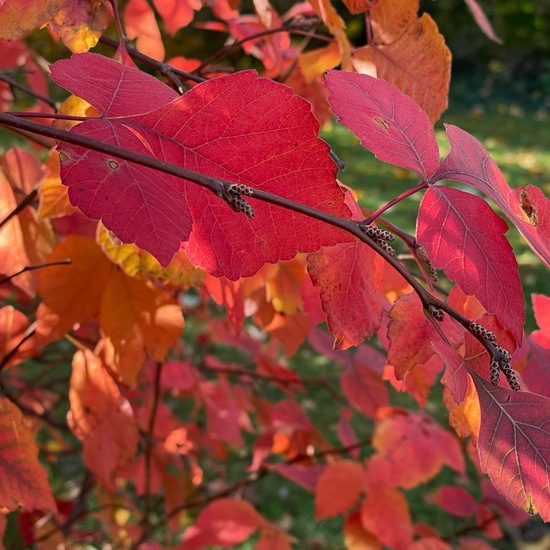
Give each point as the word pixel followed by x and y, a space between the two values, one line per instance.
pixel 113 164
pixel 528 208
pixel 63 157
pixel 381 122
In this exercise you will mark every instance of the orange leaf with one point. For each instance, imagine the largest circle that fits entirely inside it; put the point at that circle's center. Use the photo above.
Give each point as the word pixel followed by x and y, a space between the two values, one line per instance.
pixel 223 522
pixel 345 478
pixel 23 480
pixel 314 63
pixel 13 325
pixel 24 241
pixel 22 170
pixel 71 293
pixel 177 13
pixel 80 24
pixel 273 539
pixel 54 196
pixel 390 19
pixel 385 512
pixel 356 537
pixel 141 24
pixel 17 19
pixel 418 63
pixel 101 417
pixel 140 320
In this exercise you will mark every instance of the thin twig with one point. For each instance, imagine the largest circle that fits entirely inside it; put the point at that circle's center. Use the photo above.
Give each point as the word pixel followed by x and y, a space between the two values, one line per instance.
pixel 31 329
pixel 27 200
pixel 67 261
pixel 27 90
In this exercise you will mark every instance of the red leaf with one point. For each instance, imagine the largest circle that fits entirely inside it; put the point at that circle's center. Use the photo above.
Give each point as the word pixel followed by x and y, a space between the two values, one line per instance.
pixel 350 279
pixel 465 238
pixel 263 136
pixel 385 513
pixel 23 480
pixel 388 122
pixel 541 306
pixel 456 501
pixel 414 440
pixel 455 377
pixel 513 445
pixel 124 88
pixel 482 22
pixel 364 388
pixel 223 522
pixel 345 476
pixel 13 328
pixel 410 333
pixel 526 207
pixel 222 412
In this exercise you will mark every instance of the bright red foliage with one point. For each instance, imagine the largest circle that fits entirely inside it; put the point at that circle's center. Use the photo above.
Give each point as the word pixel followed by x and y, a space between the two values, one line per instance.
pixel 161 348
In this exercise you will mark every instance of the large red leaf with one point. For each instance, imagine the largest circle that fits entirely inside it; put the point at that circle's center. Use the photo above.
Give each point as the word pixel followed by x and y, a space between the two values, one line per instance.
pixel 465 238
pixel 388 122
pixel 240 127
pixel 513 445
pixel 23 480
pixel 526 207
pixel 349 277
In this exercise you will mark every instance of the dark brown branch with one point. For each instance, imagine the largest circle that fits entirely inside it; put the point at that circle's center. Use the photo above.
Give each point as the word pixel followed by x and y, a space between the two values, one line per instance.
pixel 27 90
pixel 21 206
pixel 67 261
pixel 221 188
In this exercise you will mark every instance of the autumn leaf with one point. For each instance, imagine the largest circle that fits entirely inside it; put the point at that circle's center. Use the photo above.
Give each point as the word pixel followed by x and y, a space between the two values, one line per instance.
pixel 357 537
pixel 414 439
pixel 21 18
pixel 513 445
pixel 482 21
pixel 223 522
pixel 389 123
pixel 22 170
pixel 140 320
pixel 23 480
pixel 80 24
pixel 176 13
pixel 349 277
pixel 526 207
pixel 348 477
pixel 465 238
pixel 541 308
pixel 417 62
pixel 14 326
pixel 24 240
pixel 71 293
pixel 456 501
pixel 385 513
pixel 157 212
pixel 455 377
pixel 101 417
pixel 140 23
pixel 390 19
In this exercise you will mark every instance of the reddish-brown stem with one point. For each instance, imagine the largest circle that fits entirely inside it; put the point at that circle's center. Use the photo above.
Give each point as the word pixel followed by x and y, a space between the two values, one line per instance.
pixel 163 68
pixel 394 201
pixel 237 45
pixel 150 442
pixel 220 188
